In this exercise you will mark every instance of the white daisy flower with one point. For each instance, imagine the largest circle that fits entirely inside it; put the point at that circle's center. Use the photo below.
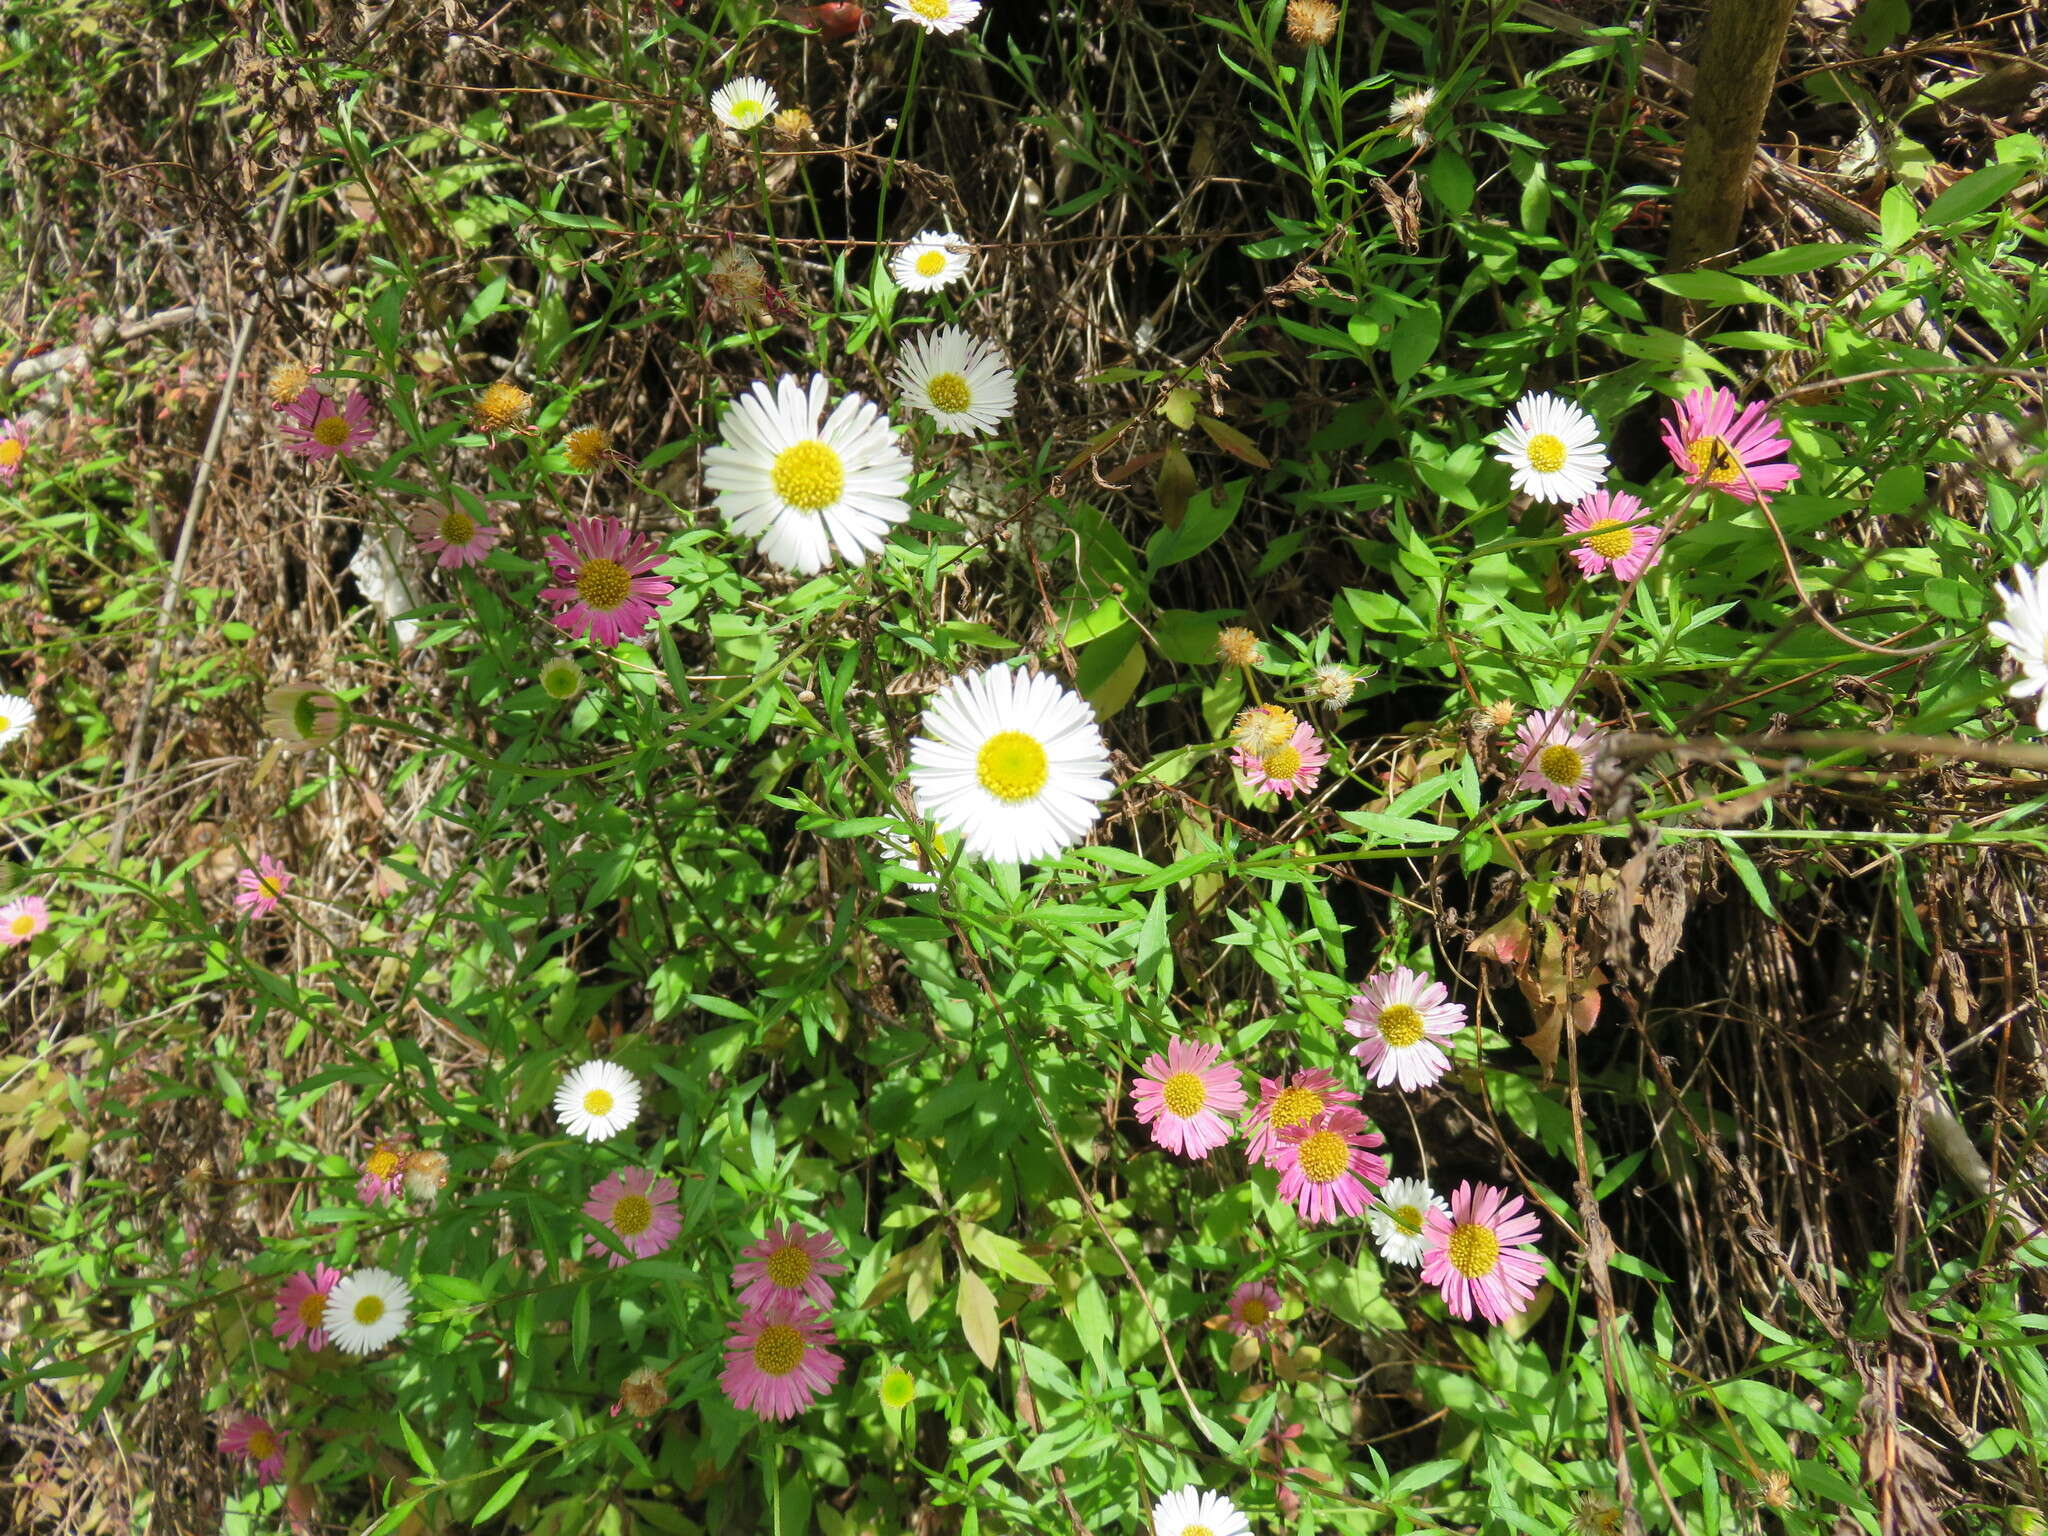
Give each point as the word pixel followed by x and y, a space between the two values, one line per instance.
pixel 930 262
pixel 747 102
pixel 598 1099
pixel 2023 632
pixel 366 1310
pixel 965 385
pixel 1396 1219
pixel 1197 1512
pixel 800 488
pixel 1553 449
pixel 902 852
pixel 936 15
pixel 1011 763
pixel 16 716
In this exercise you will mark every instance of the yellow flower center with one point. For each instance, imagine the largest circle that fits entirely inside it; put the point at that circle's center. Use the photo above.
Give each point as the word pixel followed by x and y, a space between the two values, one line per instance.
pixel 778 1349
pixel 1400 1024
pixel 368 1308
pixel 949 392
pixel 1473 1250
pixel 1184 1094
pixel 931 10
pixel 262 1445
pixel 1283 764
pixel 331 431
pixel 1294 1106
pixel 597 1102
pixel 1254 1311
pixel 929 263
pixel 746 111
pixel 23 926
pixel 808 476
pixel 10 452
pixel 1196 1530
pixel 313 1309
pixel 502 405
pixel 632 1215
pixel 1546 453
pixel 603 584
pixel 1408 1218
pixel 586 445
pixel 788 1266
pixel 1712 457
pixel 458 528
pixel 1610 540
pixel 382 1162
pixel 1011 766
pixel 269 886
pixel 1560 764
pixel 1324 1155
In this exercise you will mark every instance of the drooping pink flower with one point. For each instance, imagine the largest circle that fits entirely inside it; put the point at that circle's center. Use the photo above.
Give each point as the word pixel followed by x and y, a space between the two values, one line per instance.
pixel 1616 538
pixel 787 1261
pixel 779 1359
pixel 608 586
pixel 22 919
pixel 640 1208
pixel 453 537
pixel 383 1170
pixel 1398 1017
pixel 1480 1255
pixel 1328 1166
pixel 261 887
pixel 301 1303
pixel 315 428
pixel 1558 750
pixel 1735 449
pixel 1186 1095
pixel 253 1439
pixel 1254 1308
pixel 1285 1102
pixel 1286 770
pixel 13 448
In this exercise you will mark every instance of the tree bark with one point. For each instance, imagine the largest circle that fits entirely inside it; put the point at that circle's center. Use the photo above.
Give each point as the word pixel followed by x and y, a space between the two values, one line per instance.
pixel 1738 66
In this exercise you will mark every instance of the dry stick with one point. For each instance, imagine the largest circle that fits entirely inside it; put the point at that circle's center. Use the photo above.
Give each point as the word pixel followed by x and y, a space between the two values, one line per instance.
pixel 1738 68
pixel 176 584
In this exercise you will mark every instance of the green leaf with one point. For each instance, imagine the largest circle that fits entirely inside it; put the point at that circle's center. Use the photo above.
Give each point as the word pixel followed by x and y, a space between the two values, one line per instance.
pixel 1450 180
pixel 1209 517
pixel 416 1447
pixel 1716 288
pixel 977 1306
pixel 1797 258
pixel 501 1496
pixel 1232 441
pixel 1975 192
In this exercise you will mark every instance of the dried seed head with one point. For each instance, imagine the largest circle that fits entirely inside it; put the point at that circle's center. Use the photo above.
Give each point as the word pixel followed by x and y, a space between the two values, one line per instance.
pixel 1311 23
pixel 585 448
pixel 736 281
pixel 1595 1514
pixel 426 1173
pixel 503 406
pixel 1263 728
pixel 794 124
pixel 1410 112
pixel 1237 647
pixel 642 1394
pixel 287 382
pixel 1335 685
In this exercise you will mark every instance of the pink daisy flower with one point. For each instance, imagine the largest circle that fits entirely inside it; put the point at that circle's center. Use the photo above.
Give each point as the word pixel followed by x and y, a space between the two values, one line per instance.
pixel 1328 1165
pixel 1286 770
pixel 1254 1308
pixel 1558 752
pixel 788 1261
pixel 22 919
pixel 1614 537
pixel 1729 448
pixel 778 1360
pixel 1286 1102
pixel 453 537
pixel 254 1440
pixel 609 589
pixel 301 1304
pixel 383 1170
pixel 1479 1255
pixel 261 887
pixel 1185 1095
pixel 316 428
pixel 13 448
pixel 640 1208
pixel 1398 1017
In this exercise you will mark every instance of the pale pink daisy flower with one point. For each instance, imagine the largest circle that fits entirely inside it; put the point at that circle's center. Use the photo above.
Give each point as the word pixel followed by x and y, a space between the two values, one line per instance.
pixel 383 1170
pixel 1185 1096
pixel 254 1440
pixel 1734 449
pixel 1398 1017
pixel 611 591
pixel 778 1360
pixel 1328 1166
pixel 1558 752
pixel 22 919
pixel 787 1261
pixel 1287 769
pixel 1287 1102
pixel 640 1208
pixel 1254 1308
pixel 453 537
pixel 302 1307
pixel 1479 1254
pixel 1615 539
pixel 261 887
pixel 316 428
pixel 13 448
